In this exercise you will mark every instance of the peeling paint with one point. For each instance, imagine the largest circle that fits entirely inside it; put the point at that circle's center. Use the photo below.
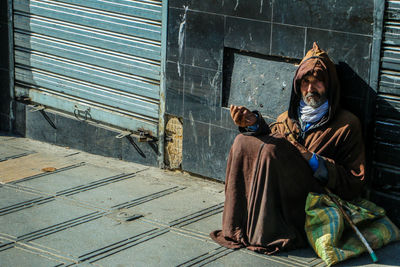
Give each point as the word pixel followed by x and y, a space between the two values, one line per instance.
pixel 214 80
pixel 349 12
pixel 209 134
pixel 237 4
pixel 193 126
pixel 179 68
pixel 181 38
pixel 350 51
pixel 243 44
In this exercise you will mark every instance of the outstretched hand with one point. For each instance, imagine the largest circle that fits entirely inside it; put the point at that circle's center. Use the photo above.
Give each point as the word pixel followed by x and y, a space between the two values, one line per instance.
pixel 242 116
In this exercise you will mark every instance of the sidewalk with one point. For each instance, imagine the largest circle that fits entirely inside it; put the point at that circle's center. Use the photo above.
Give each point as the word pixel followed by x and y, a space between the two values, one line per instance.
pixel 96 211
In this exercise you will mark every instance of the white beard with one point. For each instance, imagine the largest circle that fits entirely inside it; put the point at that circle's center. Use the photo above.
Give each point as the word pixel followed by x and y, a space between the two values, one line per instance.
pixel 314 102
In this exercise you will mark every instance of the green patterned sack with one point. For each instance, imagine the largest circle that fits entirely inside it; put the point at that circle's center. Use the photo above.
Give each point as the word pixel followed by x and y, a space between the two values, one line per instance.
pixel 332 237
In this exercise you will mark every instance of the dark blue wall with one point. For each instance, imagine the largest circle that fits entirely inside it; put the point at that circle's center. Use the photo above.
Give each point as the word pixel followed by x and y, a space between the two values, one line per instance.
pixel 200 33
pixel 81 135
pixel 4 69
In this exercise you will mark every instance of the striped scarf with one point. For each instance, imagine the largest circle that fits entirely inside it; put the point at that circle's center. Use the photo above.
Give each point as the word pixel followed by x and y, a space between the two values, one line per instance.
pixel 312 115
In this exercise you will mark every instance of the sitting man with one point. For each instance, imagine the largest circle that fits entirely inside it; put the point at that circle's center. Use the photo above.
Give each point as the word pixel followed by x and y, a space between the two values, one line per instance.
pixel 271 170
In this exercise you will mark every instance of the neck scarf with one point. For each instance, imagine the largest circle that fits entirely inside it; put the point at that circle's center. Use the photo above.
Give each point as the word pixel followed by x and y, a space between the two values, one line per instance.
pixel 309 114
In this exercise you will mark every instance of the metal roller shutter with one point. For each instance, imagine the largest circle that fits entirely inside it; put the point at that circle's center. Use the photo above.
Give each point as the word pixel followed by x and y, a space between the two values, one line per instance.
pixel 387 130
pixel 97 59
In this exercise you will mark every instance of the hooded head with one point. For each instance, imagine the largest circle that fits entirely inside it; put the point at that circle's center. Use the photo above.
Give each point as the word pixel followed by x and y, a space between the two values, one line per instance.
pixel 318 64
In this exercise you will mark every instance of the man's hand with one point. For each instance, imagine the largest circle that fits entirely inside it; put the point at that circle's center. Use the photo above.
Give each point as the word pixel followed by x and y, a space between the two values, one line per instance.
pixel 304 152
pixel 242 116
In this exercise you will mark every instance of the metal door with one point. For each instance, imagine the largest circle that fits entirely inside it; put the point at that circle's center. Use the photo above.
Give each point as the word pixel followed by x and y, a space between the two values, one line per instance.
pixel 100 60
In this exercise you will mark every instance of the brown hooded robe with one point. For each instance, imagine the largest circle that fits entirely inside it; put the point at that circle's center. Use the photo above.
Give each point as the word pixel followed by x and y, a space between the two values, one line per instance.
pixel 268 180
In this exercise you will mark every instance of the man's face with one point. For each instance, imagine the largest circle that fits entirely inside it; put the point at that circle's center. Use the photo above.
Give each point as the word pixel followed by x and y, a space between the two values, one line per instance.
pixel 313 91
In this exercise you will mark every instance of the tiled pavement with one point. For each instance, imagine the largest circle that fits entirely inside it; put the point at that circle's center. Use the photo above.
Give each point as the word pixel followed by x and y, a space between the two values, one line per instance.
pixel 98 211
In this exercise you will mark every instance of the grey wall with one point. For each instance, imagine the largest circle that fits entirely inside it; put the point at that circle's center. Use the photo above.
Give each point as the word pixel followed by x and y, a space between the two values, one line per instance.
pixel 4 69
pixel 201 32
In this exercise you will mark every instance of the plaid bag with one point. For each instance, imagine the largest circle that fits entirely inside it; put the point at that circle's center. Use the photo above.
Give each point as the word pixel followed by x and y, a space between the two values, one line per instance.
pixel 332 237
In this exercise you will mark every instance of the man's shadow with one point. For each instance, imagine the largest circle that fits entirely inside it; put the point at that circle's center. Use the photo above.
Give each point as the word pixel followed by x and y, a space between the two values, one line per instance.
pixel 359 98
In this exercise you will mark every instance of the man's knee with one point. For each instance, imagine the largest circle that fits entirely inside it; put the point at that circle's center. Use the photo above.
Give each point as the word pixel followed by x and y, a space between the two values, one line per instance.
pixel 242 139
pixel 246 144
pixel 273 146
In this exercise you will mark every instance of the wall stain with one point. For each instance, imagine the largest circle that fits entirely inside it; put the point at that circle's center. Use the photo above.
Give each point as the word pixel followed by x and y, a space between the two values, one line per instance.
pixel 193 126
pixel 181 38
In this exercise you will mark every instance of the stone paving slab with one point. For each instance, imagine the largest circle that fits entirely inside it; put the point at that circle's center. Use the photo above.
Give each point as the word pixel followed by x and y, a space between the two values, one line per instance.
pixel 304 256
pixel 169 249
pixel 134 187
pixel 38 220
pixel 206 225
pixel 96 235
pixel 21 257
pixel 387 256
pixel 29 165
pixel 179 204
pixel 239 258
pixel 73 176
pixel 10 152
pixel 11 197
pixel 100 211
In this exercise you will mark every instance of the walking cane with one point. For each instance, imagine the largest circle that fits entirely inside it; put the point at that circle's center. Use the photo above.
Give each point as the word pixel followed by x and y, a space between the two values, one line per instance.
pixel 359 235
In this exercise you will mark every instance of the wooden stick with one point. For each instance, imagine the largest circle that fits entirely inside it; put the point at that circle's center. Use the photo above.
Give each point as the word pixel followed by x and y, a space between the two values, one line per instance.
pixel 358 233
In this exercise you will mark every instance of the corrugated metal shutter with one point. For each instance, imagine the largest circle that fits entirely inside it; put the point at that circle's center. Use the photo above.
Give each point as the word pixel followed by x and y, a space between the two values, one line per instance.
pixel 100 58
pixel 387 131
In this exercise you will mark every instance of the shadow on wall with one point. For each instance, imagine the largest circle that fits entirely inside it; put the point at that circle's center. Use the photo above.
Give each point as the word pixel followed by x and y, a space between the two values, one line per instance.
pixel 381 138
pixel 359 98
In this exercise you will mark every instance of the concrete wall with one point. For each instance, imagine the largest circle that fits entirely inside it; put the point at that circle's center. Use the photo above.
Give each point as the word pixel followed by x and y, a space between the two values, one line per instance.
pixel 202 33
